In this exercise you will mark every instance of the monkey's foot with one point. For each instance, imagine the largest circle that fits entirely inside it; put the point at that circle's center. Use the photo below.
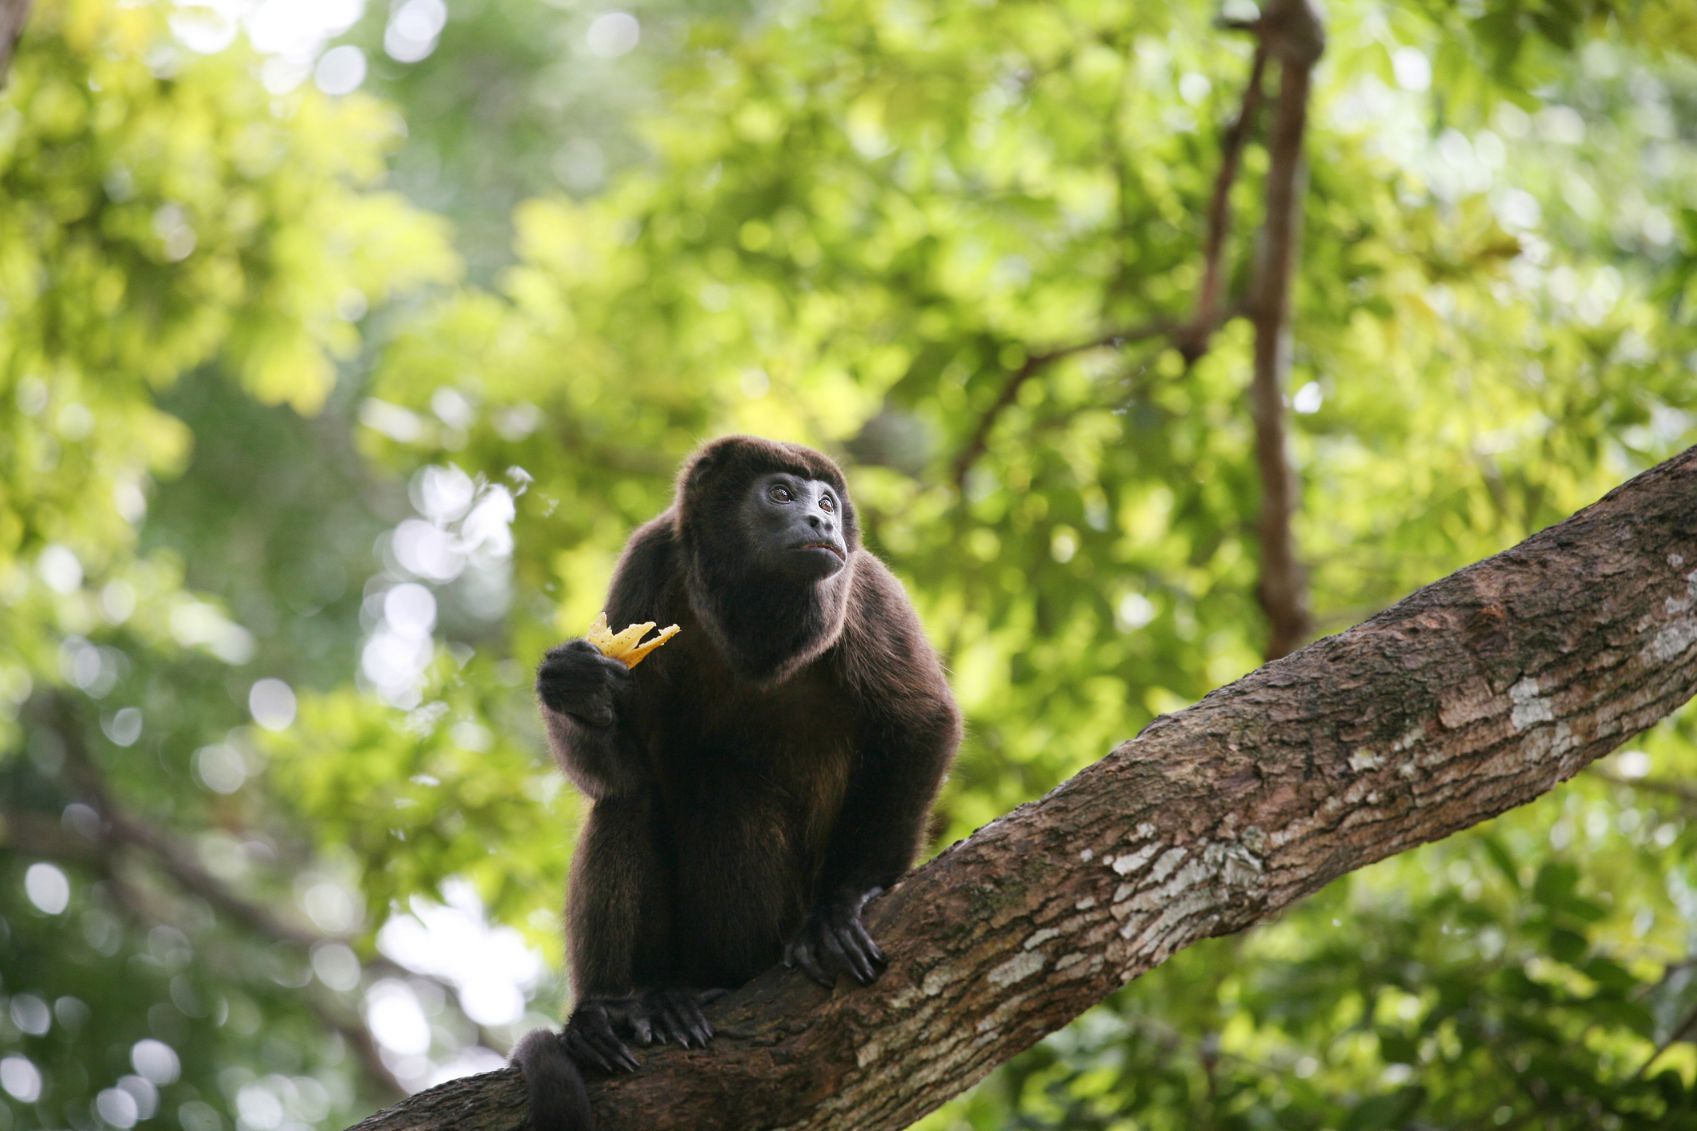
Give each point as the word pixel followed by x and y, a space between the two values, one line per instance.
pixel 670 1016
pixel 834 941
pixel 598 1028
pixel 591 1040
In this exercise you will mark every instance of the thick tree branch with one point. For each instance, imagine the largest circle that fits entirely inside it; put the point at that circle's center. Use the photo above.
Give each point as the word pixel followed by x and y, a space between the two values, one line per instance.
pixel 1290 32
pixel 1476 694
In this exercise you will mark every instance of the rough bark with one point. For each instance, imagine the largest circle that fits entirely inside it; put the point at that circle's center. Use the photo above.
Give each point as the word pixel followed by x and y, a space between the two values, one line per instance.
pixel 1476 694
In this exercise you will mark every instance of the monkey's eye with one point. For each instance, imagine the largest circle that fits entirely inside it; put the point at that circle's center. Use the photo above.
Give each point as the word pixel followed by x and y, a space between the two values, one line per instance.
pixel 780 493
pixel 827 504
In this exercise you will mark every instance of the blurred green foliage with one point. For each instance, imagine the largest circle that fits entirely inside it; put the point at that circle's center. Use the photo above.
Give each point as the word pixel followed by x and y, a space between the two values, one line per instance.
pixel 297 481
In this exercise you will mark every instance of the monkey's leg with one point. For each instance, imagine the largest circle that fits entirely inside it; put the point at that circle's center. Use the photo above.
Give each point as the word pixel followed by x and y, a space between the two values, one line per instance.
pixel 874 841
pixel 620 933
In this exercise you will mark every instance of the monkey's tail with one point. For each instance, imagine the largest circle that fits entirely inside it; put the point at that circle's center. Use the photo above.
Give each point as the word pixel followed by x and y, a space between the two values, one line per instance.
pixel 558 1099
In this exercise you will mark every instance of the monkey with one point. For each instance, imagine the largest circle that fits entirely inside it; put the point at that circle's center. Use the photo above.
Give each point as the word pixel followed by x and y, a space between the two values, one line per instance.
pixel 755 782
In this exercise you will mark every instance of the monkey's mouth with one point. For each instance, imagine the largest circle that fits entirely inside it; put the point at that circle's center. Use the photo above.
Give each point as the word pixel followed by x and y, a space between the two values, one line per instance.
pixel 831 546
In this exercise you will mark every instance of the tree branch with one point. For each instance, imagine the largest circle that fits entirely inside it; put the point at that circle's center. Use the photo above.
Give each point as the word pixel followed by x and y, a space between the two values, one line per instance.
pixel 1035 364
pixel 1474 695
pixel 176 859
pixel 1290 31
pixel 1192 342
pixel 119 830
pixel 1680 791
pixel 1684 1029
pixel 1190 338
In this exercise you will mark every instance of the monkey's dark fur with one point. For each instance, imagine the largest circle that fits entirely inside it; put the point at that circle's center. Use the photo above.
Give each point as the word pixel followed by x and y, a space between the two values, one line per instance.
pixel 755 780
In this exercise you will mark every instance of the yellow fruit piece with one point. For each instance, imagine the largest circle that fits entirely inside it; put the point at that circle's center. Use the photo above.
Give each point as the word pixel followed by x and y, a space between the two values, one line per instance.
pixel 626 639
pixel 598 634
pixel 626 645
pixel 636 655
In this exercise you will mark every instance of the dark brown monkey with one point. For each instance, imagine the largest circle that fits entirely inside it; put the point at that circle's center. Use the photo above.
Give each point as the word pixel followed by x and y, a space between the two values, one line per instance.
pixel 755 781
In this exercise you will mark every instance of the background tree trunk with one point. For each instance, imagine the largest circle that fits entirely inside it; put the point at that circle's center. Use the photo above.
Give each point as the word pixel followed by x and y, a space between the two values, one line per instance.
pixel 13 13
pixel 1476 694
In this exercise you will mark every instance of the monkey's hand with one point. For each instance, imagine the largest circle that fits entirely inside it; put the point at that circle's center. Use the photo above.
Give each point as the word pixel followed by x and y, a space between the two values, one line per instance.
pixel 596 1032
pixel 834 941
pixel 576 679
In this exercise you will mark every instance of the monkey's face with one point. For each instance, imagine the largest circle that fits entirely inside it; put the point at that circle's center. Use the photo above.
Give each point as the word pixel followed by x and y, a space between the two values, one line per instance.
pixel 793 526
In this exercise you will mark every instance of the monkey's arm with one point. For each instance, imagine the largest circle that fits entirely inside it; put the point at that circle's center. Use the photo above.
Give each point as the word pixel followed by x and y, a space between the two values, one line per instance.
pixel 583 695
pixel 589 700
pixel 908 730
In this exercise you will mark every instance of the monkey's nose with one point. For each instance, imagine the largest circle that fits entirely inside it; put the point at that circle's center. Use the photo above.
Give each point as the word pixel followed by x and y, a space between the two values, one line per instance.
pixel 820 523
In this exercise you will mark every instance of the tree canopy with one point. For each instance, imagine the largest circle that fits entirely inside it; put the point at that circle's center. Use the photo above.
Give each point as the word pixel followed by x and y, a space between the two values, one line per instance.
pixel 338 358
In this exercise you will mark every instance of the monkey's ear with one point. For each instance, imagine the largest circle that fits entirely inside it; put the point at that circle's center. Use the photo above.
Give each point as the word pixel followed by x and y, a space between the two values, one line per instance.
pixel 709 462
pixel 704 513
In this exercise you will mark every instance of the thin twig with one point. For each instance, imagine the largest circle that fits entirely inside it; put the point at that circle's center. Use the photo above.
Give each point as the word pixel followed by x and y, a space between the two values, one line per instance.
pixel 1190 338
pixel 1680 1032
pixel 37 834
pixel 1678 790
pixel 1035 364
pixel 1192 341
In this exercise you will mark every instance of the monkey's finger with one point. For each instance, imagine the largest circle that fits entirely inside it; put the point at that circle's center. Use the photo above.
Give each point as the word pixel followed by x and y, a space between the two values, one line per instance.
pixel 689 1013
pixel 866 970
pixel 867 942
pixel 678 1018
pixel 641 1029
pixel 597 1033
pixel 613 669
pixel 809 963
pixel 616 1053
pixel 854 943
pixel 593 707
pixel 832 944
pixel 667 1023
pixel 652 1009
pixel 690 1010
pixel 584 1052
